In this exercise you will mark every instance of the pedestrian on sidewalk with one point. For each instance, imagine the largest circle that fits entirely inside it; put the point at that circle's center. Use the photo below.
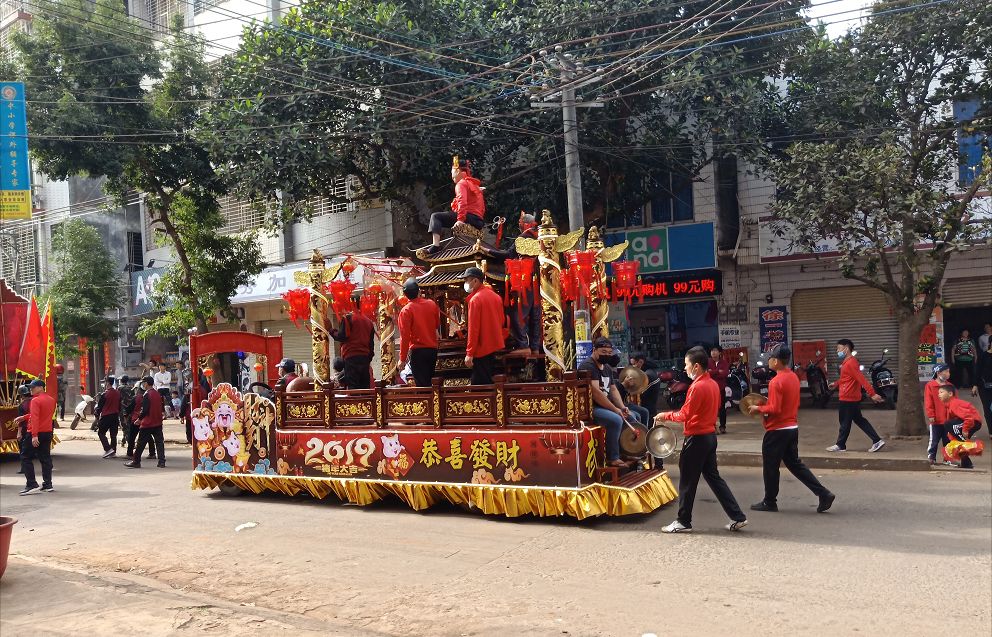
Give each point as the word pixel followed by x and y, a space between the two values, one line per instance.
pixel 108 411
pixel 720 371
pixel 936 411
pixel 163 385
pixel 781 441
pixel 963 420
pixel 698 457
pixel 23 413
pixel 63 386
pixel 963 359
pixel 85 402
pixel 37 441
pixel 983 379
pixel 850 384
pixel 150 420
pixel 127 406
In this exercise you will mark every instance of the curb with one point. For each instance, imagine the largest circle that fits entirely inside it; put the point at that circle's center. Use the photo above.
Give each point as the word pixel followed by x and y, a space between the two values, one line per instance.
pixel 70 434
pixel 744 459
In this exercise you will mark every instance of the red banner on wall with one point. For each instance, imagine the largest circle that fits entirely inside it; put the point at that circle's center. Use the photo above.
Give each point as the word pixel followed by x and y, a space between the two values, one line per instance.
pixel 806 352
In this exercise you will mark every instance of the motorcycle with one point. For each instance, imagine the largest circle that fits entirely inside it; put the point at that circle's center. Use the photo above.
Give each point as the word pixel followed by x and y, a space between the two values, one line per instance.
pixel 884 381
pixel 676 384
pixel 737 382
pixel 816 380
pixel 761 376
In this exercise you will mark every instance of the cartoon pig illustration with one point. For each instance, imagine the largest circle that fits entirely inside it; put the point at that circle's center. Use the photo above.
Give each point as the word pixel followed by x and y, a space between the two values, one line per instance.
pixel 201 426
pixel 232 445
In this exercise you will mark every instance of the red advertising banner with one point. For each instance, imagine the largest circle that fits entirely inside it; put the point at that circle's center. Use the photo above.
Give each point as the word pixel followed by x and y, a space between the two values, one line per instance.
pixel 806 352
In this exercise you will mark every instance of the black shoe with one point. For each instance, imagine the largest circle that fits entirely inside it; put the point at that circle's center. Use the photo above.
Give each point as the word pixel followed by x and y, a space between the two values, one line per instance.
pixel 161 465
pixel 132 465
pixel 48 489
pixel 723 430
pixel 152 457
pixel 825 502
pixel 433 249
pixel 764 506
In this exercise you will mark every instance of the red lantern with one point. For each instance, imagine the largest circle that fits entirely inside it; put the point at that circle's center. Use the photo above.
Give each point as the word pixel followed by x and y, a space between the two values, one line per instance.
pixel 374 288
pixel 340 292
pixel 348 266
pixel 369 305
pixel 258 367
pixel 581 265
pixel 208 372
pixel 59 369
pixel 519 276
pixel 624 279
pixel 569 286
pixel 298 301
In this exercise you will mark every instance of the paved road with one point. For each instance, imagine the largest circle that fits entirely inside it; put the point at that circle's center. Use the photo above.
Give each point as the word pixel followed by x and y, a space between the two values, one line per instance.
pixel 121 552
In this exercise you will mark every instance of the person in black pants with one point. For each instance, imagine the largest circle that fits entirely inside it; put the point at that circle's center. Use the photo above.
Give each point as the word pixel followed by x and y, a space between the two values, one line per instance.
pixel 781 441
pixel 983 381
pixel 150 423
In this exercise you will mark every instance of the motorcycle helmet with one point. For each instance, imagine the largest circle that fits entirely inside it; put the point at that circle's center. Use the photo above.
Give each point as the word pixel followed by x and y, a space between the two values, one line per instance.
pixel 939 368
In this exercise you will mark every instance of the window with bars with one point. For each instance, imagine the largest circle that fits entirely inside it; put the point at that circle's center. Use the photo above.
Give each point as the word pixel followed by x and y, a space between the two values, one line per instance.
pixel 135 251
pixel 19 259
pixel 199 6
pixel 239 216
pixel 159 13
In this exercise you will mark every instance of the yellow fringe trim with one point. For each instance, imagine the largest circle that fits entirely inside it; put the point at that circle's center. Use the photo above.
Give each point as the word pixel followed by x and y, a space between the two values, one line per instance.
pixel 598 499
pixel 10 446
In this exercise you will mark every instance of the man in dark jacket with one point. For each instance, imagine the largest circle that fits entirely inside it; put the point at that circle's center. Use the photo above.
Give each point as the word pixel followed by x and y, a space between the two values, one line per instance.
pixel 127 406
pixel 150 424
pixel 108 409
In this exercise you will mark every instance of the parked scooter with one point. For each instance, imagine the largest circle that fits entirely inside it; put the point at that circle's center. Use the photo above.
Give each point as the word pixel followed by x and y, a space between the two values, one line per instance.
pixel 761 376
pixel 884 381
pixel 737 383
pixel 816 380
pixel 676 384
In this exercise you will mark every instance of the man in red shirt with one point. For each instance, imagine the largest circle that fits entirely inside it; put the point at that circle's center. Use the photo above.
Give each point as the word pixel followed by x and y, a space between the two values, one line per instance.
pixel 963 420
pixel 357 337
pixel 720 371
pixel 149 424
pixel 849 386
pixel 468 205
pixel 419 322
pixel 37 440
pixel 485 327
pixel 935 410
pixel 781 441
pixel 698 457
pixel 108 417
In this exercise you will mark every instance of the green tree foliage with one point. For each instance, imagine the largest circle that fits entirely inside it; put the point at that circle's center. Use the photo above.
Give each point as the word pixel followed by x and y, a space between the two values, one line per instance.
pixel 107 100
pixel 878 168
pixel 86 285
pixel 389 90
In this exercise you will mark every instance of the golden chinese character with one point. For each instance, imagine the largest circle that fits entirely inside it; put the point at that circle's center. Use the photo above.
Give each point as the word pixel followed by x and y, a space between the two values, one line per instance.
pixel 479 454
pixel 429 455
pixel 506 455
pixel 457 457
pixel 591 457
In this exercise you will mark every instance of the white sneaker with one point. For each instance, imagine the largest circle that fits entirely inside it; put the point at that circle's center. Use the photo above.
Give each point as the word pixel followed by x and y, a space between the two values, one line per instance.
pixel 735 525
pixel 676 527
pixel 875 447
pixel 835 448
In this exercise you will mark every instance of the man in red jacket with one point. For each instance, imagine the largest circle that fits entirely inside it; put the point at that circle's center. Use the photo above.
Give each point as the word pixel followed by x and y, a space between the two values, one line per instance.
pixel 149 424
pixel 357 337
pixel 935 410
pixel 963 420
pixel 781 441
pixel 485 327
pixel 419 322
pixel 468 206
pixel 37 440
pixel 107 411
pixel 849 386
pixel 698 457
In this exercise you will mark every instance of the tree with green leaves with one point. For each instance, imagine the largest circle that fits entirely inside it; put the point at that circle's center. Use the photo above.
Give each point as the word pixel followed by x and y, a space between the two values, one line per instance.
pixel 878 171
pixel 388 91
pixel 106 99
pixel 86 286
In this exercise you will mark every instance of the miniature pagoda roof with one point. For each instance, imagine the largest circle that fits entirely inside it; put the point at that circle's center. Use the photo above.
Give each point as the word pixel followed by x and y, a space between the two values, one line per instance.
pixel 465 243
pixel 449 273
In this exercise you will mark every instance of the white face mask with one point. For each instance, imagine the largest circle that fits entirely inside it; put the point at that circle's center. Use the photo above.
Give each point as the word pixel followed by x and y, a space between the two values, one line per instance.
pixel 467 287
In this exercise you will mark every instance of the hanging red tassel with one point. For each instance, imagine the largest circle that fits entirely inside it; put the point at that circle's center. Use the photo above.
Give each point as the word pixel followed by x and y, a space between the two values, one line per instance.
pixel 298 302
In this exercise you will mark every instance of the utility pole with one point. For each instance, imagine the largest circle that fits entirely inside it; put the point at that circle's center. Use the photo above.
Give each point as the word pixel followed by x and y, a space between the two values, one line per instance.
pixel 569 75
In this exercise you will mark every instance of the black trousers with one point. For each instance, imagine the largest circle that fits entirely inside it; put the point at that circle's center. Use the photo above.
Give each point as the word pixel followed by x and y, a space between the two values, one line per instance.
pixel 723 412
pixel 938 436
pixel 483 369
pixel 109 423
pixel 783 446
pixel 132 438
pixel 851 412
pixel 964 373
pixel 985 395
pixel 147 435
pixel 356 372
pixel 423 361
pixel 43 453
pixel 442 220
pixel 698 458
pixel 954 430
pixel 525 322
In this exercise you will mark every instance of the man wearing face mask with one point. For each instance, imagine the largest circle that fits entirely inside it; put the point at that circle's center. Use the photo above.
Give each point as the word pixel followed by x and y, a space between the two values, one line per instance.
pixel 608 409
pixel 849 386
pixel 698 457
pixel 485 327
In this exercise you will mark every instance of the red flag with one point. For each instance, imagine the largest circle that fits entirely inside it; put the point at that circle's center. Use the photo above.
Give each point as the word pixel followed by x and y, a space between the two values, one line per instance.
pixel 31 361
pixel 48 331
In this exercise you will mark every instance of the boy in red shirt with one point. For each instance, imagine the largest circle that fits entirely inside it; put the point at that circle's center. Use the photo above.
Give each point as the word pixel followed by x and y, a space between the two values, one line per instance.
pixel 698 457
pixel 37 439
pixel 781 441
pixel 485 327
pixel 419 322
pixel 849 386
pixel 935 410
pixel 963 420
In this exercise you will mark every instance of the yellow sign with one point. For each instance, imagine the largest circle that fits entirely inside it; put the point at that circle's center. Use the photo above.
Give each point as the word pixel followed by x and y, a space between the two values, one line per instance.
pixel 15 204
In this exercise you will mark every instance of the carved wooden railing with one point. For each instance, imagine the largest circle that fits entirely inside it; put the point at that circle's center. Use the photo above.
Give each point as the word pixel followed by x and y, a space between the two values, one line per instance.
pixel 555 404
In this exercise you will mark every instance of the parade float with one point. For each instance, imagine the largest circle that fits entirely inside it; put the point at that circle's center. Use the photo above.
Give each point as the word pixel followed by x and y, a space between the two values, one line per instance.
pixel 524 445
pixel 28 353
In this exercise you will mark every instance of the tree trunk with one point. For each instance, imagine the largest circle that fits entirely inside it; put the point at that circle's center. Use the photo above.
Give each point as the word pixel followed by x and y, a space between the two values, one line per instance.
pixel 910 420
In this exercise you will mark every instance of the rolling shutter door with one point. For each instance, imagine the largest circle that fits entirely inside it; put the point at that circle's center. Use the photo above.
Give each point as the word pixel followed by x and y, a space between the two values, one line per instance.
pixel 296 343
pixel 859 313
pixel 969 292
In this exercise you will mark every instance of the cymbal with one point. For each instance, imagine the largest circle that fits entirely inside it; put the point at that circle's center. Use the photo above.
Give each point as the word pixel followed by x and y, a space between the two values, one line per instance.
pixel 633 380
pixel 750 400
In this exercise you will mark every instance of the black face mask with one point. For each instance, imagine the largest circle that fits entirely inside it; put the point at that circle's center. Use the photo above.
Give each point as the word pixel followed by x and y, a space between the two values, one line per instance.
pixel 612 360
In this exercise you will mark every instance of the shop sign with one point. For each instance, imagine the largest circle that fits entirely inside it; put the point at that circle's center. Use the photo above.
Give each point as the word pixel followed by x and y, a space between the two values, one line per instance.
pixel 773 326
pixel 269 284
pixel 730 336
pixel 681 286
pixel 931 349
pixel 672 248
pixel 15 169
pixel 143 289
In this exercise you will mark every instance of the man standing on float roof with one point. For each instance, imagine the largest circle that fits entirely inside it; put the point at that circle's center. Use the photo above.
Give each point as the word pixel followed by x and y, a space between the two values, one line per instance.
pixel 419 322
pixel 468 206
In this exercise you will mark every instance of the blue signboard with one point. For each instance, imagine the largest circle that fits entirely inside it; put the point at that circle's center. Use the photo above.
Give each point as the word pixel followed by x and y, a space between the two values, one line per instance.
pixel 689 246
pixel 15 169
